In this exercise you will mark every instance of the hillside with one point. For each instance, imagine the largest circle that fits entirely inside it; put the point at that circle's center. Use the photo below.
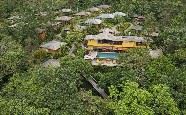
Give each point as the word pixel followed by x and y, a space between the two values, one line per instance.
pixel 93 57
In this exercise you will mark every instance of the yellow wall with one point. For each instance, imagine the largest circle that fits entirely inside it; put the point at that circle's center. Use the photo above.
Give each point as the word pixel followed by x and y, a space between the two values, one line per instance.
pixel 93 43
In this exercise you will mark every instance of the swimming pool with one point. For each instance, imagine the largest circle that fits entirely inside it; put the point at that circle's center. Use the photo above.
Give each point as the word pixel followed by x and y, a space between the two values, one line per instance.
pixel 107 55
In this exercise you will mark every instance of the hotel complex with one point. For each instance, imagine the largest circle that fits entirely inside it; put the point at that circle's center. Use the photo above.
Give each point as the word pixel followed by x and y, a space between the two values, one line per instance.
pixel 104 48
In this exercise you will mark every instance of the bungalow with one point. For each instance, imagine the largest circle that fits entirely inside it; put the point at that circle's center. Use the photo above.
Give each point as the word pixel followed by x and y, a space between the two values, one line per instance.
pixel 52 46
pixel 106 16
pixel 63 19
pixel 119 14
pixel 93 9
pixel 93 21
pixel 83 13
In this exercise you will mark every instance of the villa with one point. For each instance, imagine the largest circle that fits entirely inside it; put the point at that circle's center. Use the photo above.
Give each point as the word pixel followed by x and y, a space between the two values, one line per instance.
pixel 109 42
pixel 52 46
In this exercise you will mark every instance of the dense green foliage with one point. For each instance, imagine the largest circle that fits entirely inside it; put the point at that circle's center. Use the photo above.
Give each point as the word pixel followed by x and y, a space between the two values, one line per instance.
pixel 139 85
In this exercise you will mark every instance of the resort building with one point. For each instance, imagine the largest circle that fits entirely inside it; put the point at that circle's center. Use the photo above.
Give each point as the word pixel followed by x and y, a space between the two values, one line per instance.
pixel 52 46
pixel 93 9
pixel 109 42
pixel 106 16
pixel 83 13
pixel 93 21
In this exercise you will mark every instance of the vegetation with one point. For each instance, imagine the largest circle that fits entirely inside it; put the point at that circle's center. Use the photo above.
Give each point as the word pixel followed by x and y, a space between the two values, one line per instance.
pixel 140 85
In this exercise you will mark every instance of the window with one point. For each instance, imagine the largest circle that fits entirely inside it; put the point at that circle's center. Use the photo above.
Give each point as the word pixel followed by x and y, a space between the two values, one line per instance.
pixel 104 41
pixel 140 44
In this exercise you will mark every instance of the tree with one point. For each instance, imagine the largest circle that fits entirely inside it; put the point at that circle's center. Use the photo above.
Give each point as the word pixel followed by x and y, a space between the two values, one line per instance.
pixel 131 100
pixel 137 101
pixel 11 56
pixel 48 90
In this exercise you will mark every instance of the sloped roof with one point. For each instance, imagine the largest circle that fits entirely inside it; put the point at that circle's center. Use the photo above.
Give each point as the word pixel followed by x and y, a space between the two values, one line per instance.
pixel 53 45
pixel 83 13
pixel 51 63
pixel 93 21
pixel 106 16
pixel 119 14
pixel 93 9
pixel 63 18
pixel 104 6
pixel 108 36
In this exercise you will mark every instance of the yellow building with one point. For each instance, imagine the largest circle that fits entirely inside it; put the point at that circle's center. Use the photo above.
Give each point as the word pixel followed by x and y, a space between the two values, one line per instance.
pixel 104 41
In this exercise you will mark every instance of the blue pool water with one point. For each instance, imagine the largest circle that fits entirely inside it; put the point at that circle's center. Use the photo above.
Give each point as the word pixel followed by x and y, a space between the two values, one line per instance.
pixel 107 55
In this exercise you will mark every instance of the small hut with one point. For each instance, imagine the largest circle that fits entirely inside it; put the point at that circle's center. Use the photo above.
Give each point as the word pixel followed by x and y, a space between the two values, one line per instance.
pixel 93 21
pixel 119 14
pixel 94 9
pixel 63 19
pixel 106 16
pixel 83 13
pixel 52 46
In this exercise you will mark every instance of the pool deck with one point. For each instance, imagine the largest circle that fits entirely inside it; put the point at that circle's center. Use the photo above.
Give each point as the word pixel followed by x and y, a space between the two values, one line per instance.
pixel 103 64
